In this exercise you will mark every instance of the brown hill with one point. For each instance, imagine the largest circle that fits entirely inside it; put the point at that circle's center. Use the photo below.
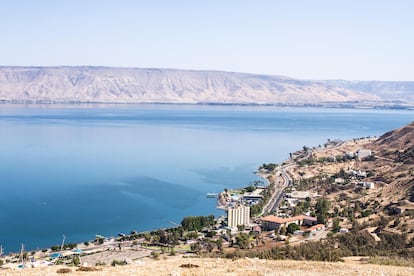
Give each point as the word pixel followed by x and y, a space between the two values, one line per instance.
pixel 401 139
pixel 397 145
pixel 394 162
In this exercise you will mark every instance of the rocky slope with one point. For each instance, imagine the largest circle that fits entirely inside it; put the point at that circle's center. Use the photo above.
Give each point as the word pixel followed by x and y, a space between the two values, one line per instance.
pixel 397 141
pixel 134 85
pixel 394 163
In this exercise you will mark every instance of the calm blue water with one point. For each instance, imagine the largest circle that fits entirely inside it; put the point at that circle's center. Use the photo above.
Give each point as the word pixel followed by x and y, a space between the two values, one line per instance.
pixel 81 170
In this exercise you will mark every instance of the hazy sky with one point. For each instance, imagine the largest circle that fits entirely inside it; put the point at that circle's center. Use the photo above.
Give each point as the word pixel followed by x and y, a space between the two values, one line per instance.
pixel 330 39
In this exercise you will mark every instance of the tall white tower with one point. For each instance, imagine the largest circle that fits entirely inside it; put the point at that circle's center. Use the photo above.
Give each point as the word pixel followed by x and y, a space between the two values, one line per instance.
pixel 238 215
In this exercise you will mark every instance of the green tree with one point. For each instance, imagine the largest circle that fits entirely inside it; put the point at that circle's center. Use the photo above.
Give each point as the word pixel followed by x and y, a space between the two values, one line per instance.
pixel 250 188
pixel 219 244
pixel 322 208
pixel 336 227
pixel 163 236
pixel 242 240
pixel 197 223
pixel 76 260
pixel 292 228
pixel 320 219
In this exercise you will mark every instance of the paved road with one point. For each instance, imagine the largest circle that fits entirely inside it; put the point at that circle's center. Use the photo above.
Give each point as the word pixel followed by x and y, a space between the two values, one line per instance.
pixel 281 182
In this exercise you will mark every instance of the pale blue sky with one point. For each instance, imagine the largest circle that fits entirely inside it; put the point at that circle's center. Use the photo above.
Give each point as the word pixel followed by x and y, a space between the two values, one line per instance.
pixel 361 39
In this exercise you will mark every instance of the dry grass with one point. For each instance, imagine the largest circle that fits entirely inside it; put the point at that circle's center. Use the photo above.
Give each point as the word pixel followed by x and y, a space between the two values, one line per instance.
pixel 243 267
pixel 390 261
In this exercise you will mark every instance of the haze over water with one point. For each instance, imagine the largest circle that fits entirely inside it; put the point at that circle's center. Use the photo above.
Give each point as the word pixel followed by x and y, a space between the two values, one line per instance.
pixel 81 170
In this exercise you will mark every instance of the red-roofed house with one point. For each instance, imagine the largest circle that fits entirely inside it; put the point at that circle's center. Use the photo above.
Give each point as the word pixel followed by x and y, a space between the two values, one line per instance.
pixel 316 227
pixel 273 222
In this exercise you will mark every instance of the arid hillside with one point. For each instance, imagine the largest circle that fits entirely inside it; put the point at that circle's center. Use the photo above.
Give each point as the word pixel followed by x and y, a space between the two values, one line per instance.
pixel 143 85
pixel 210 266
pixel 393 162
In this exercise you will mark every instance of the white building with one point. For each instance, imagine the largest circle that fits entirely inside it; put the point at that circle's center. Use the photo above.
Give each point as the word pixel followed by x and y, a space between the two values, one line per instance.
pixel 368 185
pixel 238 215
pixel 339 180
pixel 363 153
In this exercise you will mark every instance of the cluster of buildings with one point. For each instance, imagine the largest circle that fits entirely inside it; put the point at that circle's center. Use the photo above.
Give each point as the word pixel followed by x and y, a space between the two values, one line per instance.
pixel 240 216
pixel 356 177
pixel 294 197
pixel 238 207
pixel 358 155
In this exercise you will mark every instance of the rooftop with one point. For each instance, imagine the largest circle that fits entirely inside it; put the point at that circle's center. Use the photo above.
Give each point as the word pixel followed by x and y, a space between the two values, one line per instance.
pixel 284 220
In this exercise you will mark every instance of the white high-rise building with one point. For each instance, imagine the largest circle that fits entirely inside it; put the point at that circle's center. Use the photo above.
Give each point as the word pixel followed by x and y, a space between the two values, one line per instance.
pixel 238 215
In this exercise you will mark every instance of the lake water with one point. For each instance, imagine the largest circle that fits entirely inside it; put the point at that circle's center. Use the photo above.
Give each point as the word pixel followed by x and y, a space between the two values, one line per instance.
pixel 81 170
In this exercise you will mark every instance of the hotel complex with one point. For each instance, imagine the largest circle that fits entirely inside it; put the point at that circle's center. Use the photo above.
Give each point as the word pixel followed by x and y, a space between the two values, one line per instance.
pixel 238 215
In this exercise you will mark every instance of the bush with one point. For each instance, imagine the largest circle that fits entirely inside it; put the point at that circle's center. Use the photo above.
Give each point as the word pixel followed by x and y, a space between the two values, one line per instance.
pixel 87 268
pixel 117 262
pixel 69 245
pixel 197 223
pixel 250 188
pixel 64 270
pixel 55 248
pixel 76 260
pixel 155 255
pixel 390 261
pixel 292 228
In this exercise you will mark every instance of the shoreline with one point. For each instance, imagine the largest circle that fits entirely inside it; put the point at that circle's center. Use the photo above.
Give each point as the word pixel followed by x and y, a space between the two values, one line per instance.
pixel 263 175
pixel 385 105
pixel 137 254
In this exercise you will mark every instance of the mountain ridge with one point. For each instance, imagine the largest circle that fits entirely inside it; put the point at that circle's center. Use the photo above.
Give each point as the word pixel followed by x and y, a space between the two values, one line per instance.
pixel 157 85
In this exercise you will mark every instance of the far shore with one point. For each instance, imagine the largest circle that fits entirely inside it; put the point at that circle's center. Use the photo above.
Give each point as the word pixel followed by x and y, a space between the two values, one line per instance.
pixel 335 105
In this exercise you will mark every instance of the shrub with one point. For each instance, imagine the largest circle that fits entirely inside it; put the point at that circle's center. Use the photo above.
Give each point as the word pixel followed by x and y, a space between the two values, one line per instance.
pixel 155 255
pixel 64 270
pixel 117 262
pixel 87 268
pixel 292 228
pixel 76 260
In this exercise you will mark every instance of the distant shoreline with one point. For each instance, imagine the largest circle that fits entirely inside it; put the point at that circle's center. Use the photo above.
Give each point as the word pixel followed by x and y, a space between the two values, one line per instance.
pixel 384 106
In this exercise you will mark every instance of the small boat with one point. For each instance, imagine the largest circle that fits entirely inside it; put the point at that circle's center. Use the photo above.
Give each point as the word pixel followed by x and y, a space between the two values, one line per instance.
pixel 212 195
